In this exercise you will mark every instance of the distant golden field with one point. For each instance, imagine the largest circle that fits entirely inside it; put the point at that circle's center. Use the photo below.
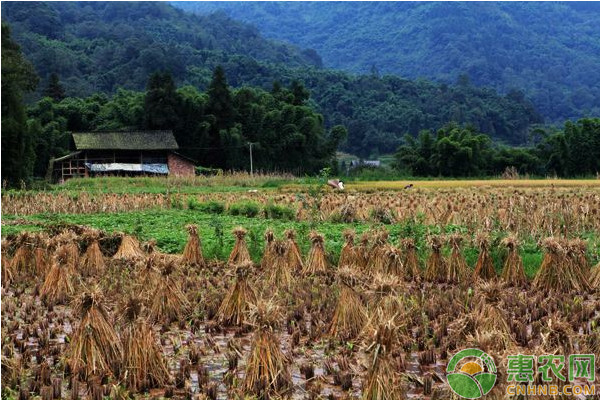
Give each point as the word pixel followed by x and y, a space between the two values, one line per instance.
pixel 521 183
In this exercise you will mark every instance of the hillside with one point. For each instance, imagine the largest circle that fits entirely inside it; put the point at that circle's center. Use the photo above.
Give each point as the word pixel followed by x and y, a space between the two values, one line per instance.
pixel 550 50
pixel 99 47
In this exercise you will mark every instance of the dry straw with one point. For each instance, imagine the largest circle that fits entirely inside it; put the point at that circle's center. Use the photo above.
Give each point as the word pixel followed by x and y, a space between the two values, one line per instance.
pixel 595 277
pixel 7 269
pixel 144 366
pixel 267 369
pixel 58 285
pixel 93 261
pixel 95 348
pixel 377 258
pixel 317 262
pixel 239 253
pixel 363 251
pixel 436 268
pixel 577 261
pixel 383 380
pixel 412 270
pixel 169 302
pixel 350 315
pixel 23 261
pixel 348 252
pixel 556 271
pixel 394 265
pixel 237 302
pixel 513 272
pixel 268 254
pixel 192 253
pixel 484 268
pixel 293 254
pixel 129 249
pixel 457 269
pixel 279 272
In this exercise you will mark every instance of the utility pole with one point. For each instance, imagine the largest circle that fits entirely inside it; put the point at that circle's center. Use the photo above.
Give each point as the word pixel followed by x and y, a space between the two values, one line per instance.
pixel 251 169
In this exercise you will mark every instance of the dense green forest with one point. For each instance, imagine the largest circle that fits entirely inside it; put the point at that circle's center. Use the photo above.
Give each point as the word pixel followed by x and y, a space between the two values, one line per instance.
pixel 100 47
pixel 551 50
pixel 213 127
pixel 459 151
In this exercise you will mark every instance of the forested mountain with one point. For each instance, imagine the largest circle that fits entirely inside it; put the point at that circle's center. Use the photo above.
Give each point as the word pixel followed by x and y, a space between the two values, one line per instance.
pixel 99 47
pixel 551 50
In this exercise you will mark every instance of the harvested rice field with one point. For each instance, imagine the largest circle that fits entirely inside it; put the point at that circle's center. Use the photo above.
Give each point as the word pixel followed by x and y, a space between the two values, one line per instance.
pixel 270 289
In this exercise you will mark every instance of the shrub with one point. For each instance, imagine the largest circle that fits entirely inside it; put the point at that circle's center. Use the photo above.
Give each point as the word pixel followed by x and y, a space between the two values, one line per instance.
pixel 274 211
pixel 247 209
pixel 211 207
pixel 193 203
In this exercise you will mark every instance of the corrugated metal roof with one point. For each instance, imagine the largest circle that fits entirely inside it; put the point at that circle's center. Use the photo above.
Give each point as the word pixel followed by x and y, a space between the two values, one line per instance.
pixel 129 140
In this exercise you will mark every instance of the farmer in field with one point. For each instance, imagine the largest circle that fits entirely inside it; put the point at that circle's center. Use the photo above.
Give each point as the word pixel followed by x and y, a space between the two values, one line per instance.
pixel 336 184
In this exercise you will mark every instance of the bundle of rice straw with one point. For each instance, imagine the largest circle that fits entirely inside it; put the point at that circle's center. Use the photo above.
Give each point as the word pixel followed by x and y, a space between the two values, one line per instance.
pixel 377 257
pixel 7 271
pixel 348 253
pixel 169 303
pixel 237 302
pixel 239 254
pixel 267 368
pixel 144 365
pixel 513 272
pixel 489 314
pixel 93 260
pixel 58 285
pixel 42 264
pixel 577 260
pixel 394 264
pixel 555 272
pixel 436 268
pixel 595 277
pixel 279 272
pixel 192 253
pixel 267 258
pixel 317 262
pixel 95 348
pixel 129 249
pixel 147 271
pixel 23 261
pixel 381 286
pixel 293 252
pixel 363 251
pixel 484 268
pixel 382 381
pixel 411 260
pixel 350 314
pixel 456 268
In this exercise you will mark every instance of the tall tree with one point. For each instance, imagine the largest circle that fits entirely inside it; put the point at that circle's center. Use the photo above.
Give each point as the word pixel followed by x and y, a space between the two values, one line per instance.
pixel 161 102
pixel 55 89
pixel 221 115
pixel 18 76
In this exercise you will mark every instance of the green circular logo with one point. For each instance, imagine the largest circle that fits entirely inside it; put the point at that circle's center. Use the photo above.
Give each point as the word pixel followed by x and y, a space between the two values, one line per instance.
pixel 476 376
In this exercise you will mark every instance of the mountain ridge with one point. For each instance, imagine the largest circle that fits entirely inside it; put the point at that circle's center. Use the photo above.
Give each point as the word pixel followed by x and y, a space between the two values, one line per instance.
pixel 549 50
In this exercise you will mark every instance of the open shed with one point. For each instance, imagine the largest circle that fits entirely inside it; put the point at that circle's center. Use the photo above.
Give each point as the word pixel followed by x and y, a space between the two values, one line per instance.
pixel 124 153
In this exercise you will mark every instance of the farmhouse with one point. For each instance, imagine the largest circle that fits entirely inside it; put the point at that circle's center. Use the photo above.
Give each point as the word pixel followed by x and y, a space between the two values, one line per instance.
pixel 121 153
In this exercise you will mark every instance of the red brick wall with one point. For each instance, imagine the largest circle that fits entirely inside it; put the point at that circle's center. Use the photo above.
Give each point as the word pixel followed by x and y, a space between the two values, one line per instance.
pixel 179 166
